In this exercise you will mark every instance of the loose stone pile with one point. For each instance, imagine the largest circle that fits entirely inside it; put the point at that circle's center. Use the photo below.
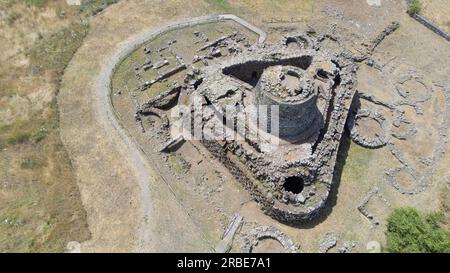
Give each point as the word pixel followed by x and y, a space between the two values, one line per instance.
pixel 328 241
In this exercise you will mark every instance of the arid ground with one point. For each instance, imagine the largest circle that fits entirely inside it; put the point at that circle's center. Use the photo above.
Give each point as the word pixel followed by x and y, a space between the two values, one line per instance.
pixel 437 11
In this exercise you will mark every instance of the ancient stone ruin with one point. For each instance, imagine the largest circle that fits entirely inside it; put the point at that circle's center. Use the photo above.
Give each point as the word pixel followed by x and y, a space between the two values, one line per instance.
pixel 273 115
pixel 281 110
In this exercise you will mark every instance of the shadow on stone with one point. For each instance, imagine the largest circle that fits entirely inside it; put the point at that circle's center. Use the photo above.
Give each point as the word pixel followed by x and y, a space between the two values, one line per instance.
pixel 333 196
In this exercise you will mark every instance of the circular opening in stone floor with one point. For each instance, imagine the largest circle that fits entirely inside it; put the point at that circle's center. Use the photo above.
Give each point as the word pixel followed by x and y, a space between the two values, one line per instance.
pixel 293 184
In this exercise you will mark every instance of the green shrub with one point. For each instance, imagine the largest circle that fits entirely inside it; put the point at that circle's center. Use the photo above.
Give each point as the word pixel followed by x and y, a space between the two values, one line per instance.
pixel 414 7
pixel 39 135
pixel 408 231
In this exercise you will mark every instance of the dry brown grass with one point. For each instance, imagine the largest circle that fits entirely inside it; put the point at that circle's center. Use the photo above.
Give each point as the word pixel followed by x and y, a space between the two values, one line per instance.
pixel 40 204
pixel 437 11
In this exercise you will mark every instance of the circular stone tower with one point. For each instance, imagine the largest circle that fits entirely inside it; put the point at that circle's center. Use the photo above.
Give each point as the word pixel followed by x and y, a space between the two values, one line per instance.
pixel 292 90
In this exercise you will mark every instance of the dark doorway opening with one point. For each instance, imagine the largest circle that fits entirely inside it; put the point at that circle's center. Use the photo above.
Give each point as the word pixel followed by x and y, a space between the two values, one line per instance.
pixel 293 184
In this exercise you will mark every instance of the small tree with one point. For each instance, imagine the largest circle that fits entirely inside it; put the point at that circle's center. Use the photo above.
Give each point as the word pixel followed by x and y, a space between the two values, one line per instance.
pixel 414 7
pixel 408 231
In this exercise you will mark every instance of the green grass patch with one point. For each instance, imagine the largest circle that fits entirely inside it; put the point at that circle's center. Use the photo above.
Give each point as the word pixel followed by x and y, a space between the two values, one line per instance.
pixel 176 163
pixel 55 51
pixel 219 4
pixel 11 17
pixel 35 3
pixel 95 6
pixel 39 135
pixel 18 137
pixel 353 160
pixel 414 7
pixel 31 164
pixel 30 131
pixel 4 128
pixel 409 231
